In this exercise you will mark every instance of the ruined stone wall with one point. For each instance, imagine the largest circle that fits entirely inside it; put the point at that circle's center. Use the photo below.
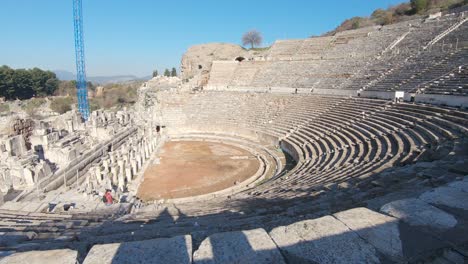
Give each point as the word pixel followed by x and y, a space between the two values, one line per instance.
pixel 23 127
pixel 197 61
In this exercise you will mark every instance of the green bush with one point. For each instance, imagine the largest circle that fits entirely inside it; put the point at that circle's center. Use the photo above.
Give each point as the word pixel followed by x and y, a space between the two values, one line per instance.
pixel 419 6
pixel 61 104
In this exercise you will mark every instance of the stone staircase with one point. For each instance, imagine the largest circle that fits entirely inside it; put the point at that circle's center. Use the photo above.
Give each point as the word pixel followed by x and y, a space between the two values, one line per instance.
pixel 429 227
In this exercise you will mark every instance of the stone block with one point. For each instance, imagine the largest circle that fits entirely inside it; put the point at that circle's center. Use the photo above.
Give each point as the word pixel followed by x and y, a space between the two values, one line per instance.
pixel 419 213
pixel 377 229
pixel 322 240
pixel 59 256
pixel 164 250
pixel 251 246
pixel 447 196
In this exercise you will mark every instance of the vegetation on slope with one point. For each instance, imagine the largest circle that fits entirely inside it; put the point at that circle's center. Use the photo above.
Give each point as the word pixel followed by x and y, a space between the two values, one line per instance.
pixel 4 108
pixel 32 106
pixel 62 104
pixel 398 13
pixel 107 96
pixel 115 95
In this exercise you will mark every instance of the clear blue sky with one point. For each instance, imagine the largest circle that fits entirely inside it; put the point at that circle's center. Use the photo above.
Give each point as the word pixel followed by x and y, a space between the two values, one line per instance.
pixel 135 37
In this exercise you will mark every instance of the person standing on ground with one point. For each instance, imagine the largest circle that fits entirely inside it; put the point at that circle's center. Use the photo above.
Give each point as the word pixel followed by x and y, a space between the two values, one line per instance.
pixel 108 197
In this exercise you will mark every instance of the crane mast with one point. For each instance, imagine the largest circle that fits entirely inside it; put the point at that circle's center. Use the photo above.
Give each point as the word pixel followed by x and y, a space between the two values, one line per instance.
pixel 81 85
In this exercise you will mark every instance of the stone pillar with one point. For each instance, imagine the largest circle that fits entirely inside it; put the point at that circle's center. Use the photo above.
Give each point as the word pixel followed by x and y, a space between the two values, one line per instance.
pixel 142 154
pixel 138 160
pixel 128 174
pixel 121 183
pixel 112 157
pixel 133 165
pixel 121 164
pixel 107 181
pixel 28 177
pixel 88 185
pixel 98 173
pixel 146 151
pixel 70 127
pixel 125 159
pixel 105 164
pixel 114 172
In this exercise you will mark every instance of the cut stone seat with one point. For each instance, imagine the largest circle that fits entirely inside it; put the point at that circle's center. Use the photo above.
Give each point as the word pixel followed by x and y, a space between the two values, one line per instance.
pixel 376 229
pixel 29 215
pixel 427 134
pixel 14 237
pixel 447 196
pixel 455 126
pixel 164 250
pixel 251 246
pixel 323 240
pixel 419 213
pixel 60 256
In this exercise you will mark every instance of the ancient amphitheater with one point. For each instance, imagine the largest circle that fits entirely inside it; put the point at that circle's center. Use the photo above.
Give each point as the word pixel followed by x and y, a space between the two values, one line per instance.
pixel 350 148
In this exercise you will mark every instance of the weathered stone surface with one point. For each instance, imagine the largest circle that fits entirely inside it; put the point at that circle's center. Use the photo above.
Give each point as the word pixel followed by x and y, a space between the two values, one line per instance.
pixel 377 229
pixel 460 185
pixel 251 246
pixel 11 238
pixel 418 213
pixel 446 196
pixel 60 256
pixel 166 250
pixel 199 58
pixel 322 240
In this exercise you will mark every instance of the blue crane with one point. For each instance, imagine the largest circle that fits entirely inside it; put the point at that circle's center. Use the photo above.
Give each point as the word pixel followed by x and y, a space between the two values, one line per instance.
pixel 81 86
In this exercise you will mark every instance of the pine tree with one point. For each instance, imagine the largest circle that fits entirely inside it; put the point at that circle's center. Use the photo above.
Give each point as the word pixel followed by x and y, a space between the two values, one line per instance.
pixel 155 73
pixel 173 72
pixel 167 73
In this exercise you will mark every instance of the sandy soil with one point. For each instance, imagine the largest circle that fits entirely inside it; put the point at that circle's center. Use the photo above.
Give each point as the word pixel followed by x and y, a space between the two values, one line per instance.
pixel 189 168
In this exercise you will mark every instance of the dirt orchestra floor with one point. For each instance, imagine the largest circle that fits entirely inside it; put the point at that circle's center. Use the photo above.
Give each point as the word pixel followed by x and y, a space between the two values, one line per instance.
pixel 189 168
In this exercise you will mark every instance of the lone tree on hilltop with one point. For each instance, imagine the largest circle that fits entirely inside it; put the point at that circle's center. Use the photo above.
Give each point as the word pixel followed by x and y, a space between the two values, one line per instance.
pixel 252 38
pixel 155 73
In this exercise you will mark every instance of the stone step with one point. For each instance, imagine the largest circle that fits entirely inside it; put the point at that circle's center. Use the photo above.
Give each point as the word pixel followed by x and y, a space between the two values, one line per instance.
pixel 165 250
pixel 250 246
pixel 61 256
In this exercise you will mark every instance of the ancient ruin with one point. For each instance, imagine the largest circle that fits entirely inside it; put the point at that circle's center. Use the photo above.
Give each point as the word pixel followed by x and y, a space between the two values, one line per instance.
pixel 350 148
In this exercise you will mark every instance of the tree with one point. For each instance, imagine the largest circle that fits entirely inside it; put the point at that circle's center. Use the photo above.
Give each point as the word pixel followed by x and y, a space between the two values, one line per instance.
pixel 167 73
pixel 22 85
pixel 25 84
pixel 252 38
pixel 419 5
pixel 6 81
pixel 173 72
pixel 155 73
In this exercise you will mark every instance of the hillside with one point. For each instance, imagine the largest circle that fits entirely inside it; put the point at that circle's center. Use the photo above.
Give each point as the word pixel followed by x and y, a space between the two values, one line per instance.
pixel 402 12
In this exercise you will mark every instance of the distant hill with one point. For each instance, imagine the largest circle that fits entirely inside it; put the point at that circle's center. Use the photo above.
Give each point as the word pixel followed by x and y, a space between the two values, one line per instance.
pixel 68 76
pixel 65 75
